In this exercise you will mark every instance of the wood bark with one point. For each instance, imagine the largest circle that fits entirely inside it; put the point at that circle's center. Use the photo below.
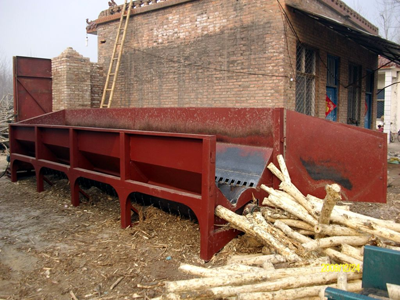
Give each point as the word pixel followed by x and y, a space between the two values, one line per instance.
pixel 335 241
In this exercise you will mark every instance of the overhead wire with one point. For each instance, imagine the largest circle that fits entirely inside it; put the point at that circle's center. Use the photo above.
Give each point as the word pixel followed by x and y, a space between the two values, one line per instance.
pixel 201 66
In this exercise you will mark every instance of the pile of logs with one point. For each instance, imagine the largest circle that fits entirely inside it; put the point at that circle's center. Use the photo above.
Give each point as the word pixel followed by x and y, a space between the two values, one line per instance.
pixel 6 117
pixel 312 244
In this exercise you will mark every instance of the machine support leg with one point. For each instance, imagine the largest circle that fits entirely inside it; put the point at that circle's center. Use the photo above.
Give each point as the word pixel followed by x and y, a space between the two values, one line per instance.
pixel 125 206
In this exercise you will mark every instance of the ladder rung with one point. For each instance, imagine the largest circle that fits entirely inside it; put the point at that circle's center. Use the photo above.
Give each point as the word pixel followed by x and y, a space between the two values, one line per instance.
pixel 118 42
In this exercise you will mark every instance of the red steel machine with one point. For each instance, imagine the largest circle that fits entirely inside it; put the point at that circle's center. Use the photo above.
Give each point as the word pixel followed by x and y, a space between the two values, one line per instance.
pixel 200 157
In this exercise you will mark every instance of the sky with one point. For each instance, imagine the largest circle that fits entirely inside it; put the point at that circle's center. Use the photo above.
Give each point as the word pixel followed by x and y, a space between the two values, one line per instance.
pixel 46 28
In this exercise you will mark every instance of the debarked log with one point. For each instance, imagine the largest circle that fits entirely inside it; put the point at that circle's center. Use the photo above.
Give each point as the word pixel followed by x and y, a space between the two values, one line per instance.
pixel 335 241
pixel 294 208
pixel 335 230
pixel 284 283
pixel 292 233
pixel 331 198
pixel 343 258
pixel 352 251
pixel 241 223
pixel 234 279
pixel 390 224
pixel 303 292
pixel 256 259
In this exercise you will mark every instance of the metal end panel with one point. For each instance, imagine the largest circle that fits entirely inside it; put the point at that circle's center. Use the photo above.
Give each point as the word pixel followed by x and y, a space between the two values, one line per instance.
pixel 239 167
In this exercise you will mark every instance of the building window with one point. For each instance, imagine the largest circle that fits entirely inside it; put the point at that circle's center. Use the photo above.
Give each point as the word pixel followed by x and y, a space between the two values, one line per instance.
pixel 369 90
pixel 332 86
pixel 354 95
pixel 380 109
pixel 305 80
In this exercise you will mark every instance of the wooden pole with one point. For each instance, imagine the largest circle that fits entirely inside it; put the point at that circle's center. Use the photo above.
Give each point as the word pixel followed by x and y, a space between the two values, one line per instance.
pixel 303 292
pixel 293 208
pixel 267 286
pixel 331 198
pixel 336 255
pixel 335 230
pixel 243 224
pixel 352 251
pixel 335 241
pixel 289 188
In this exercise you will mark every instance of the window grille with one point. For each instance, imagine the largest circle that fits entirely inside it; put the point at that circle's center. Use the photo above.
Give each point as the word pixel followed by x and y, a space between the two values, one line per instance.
pixel 305 80
pixel 354 95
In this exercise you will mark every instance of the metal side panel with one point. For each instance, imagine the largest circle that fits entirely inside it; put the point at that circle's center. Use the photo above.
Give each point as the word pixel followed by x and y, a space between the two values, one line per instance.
pixel 32 87
pixel 380 266
pixel 336 294
pixel 320 152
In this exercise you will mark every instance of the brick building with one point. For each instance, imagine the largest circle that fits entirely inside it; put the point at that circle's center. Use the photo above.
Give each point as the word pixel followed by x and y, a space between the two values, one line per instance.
pixel 309 56
pixel 77 82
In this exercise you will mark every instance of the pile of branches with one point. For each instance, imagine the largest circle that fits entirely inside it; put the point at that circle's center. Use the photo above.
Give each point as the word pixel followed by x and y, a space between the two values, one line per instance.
pixel 318 242
pixel 6 117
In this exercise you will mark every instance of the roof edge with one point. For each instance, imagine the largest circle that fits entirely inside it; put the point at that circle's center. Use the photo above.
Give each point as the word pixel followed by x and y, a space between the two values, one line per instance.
pixel 353 16
pixel 139 7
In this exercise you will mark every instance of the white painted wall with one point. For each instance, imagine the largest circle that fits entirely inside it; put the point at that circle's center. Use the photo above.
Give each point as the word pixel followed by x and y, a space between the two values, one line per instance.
pixel 387 77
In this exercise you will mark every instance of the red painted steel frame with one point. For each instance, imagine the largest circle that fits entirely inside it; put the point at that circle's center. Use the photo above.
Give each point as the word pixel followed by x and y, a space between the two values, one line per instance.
pixel 179 167
pixel 170 153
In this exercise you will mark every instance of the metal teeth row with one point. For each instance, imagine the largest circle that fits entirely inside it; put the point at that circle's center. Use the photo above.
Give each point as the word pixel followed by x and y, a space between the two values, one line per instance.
pixel 233 182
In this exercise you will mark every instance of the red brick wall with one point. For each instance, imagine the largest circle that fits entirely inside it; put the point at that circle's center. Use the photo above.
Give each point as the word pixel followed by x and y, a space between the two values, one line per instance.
pixel 201 53
pixel 326 41
pixel 225 53
pixel 77 83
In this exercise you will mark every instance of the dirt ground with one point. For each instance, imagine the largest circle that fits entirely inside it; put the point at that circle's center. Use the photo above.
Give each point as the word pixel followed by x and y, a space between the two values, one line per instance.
pixel 49 249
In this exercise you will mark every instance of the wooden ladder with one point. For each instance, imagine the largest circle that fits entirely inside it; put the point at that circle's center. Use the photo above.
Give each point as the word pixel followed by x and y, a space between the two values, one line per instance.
pixel 115 61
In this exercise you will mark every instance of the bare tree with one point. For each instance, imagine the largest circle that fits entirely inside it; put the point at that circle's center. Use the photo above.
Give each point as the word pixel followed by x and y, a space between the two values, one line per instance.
pixel 6 80
pixel 389 19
